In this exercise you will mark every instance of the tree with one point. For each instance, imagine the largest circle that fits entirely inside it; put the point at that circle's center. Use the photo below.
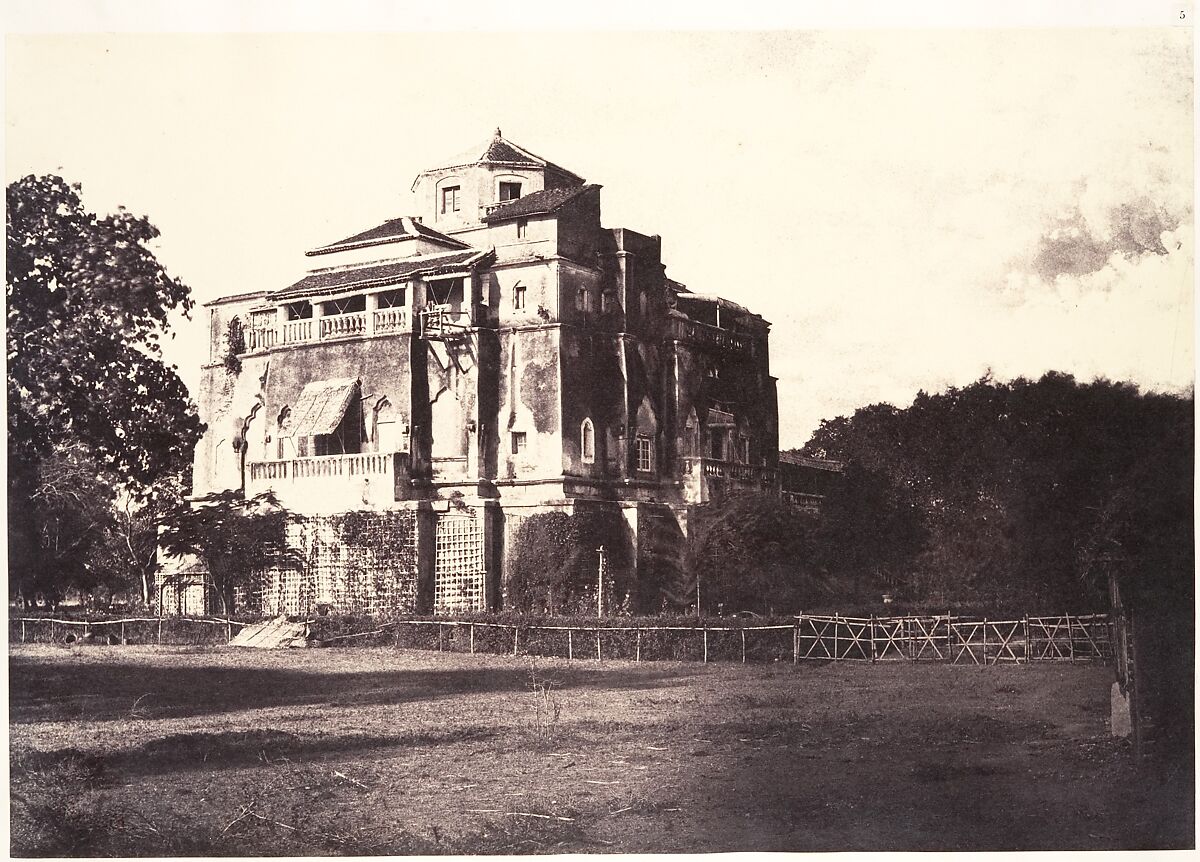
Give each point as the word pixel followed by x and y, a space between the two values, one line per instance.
pixel 237 538
pixel 87 306
pixel 555 564
pixel 1022 493
pixel 755 552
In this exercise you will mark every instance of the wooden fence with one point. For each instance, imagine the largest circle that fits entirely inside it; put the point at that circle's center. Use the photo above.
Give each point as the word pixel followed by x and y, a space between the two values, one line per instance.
pixel 954 639
pixel 812 637
pixel 140 630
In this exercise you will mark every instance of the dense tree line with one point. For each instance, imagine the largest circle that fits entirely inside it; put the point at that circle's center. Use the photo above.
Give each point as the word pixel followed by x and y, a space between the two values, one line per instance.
pixel 1025 494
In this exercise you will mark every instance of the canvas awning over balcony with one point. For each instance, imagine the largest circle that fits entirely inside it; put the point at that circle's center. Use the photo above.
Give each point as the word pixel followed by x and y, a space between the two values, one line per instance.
pixel 321 407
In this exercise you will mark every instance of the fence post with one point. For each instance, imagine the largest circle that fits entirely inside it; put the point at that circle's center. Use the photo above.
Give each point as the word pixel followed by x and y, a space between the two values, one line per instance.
pixel 472 633
pixel 874 653
pixel 639 646
pixel 706 645
pixel 949 638
pixel 570 646
pixel 22 631
pixel 1070 639
pixel 743 646
pixel 835 637
pixel 228 629
pixel 159 640
pixel 515 630
pixel 1028 648
pixel 796 638
pixel 439 637
pixel 122 632
pixel 985 641
pixel 597 644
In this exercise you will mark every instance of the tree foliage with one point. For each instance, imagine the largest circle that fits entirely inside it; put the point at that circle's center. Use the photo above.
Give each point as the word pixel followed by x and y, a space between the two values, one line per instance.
pixel 755 552
pixel 1023 494
pixel 556 562
pixel 237 538
pixel 87 306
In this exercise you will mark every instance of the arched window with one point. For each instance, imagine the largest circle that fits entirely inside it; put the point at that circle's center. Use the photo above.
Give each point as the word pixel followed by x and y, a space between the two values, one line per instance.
pixel 383 424
pixel 587 441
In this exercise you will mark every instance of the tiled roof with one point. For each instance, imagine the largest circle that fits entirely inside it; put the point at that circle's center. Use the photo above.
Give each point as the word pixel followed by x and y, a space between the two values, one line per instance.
pixel 320 407
pixel 498 150
pixel 545 201
pixel 814 463
pixel 330 281
pixel 390 231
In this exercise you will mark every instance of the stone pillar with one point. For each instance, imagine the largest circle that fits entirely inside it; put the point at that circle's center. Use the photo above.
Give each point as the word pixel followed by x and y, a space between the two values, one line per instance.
pixel 493 554
pixel 372 307
pixel 426 556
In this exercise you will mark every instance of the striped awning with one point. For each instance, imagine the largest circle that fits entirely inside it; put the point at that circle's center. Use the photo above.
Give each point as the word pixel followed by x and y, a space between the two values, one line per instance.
pixel 321 407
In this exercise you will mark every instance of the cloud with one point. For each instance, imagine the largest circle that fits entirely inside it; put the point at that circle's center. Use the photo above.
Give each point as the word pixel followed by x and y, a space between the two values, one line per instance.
pixel 1076 245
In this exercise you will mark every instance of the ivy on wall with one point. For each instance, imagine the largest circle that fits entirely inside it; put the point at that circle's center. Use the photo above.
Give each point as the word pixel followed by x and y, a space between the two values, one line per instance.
pixel 556 561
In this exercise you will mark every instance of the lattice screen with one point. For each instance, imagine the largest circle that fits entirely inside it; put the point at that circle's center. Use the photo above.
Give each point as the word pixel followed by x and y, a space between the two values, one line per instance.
pixel 376 573
pixel 459 575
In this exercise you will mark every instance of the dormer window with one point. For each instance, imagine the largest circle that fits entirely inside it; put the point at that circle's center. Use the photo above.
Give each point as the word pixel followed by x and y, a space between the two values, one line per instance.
pixel 509 191
pixel 450 199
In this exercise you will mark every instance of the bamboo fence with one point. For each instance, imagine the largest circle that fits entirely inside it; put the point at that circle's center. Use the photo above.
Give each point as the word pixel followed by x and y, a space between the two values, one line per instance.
pixel 811 637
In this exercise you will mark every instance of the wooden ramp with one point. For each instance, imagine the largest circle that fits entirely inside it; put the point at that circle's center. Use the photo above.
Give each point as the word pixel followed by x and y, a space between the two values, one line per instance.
pixel 272 634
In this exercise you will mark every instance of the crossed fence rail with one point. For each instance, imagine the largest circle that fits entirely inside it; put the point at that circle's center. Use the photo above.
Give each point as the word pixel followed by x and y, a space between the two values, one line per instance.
pixel 954 640
pixel 812 637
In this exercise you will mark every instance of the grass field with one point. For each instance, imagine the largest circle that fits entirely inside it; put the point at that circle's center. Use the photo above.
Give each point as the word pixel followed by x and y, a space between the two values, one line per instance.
pixel 170 751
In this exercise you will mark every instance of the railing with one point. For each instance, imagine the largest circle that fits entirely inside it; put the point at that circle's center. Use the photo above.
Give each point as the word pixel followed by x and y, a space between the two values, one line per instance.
pixel 729 470
pixel 705 334
pixel 391 320
pixel 383 321
pixel 365 464
pixel 262 339
pixel 342 325
pixel 297 331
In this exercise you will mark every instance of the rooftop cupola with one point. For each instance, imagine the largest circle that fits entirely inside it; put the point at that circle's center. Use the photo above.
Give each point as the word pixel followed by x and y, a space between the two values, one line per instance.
pixel 466 187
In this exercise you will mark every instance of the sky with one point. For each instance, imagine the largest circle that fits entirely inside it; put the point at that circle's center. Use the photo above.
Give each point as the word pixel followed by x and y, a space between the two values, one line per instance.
pixel 910 208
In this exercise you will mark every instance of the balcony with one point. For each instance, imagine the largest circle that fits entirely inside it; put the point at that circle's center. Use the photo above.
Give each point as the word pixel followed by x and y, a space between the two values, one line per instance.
pixel 707 335
pixel 707 479
pixel 330 483
pixel 381 321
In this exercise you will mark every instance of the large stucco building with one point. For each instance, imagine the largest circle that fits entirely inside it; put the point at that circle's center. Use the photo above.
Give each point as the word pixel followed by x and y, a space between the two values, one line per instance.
pixel 445 374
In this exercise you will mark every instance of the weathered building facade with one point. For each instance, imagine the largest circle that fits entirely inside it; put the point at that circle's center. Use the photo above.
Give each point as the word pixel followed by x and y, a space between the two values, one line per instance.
pixel 434 379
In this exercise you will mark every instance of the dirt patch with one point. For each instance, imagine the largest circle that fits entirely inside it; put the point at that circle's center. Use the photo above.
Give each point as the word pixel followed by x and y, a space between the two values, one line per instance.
pixel 376 751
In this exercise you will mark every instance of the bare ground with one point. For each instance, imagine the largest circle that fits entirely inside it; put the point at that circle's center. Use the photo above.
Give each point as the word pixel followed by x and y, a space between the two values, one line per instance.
pixel 189 751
